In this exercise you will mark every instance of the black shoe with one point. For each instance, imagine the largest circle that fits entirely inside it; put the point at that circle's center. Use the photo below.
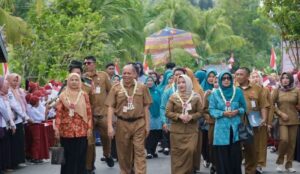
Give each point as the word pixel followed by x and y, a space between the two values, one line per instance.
pixel 149 156
pixel 155 155
pixel 90 172
pixel 166 151
pixel 161 151
pixel 103 159
pixel 213 170
pixel 196 171
pixel 110 162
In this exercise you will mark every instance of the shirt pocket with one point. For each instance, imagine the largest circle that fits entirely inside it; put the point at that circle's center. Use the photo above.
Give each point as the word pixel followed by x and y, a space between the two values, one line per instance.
pixel 138 98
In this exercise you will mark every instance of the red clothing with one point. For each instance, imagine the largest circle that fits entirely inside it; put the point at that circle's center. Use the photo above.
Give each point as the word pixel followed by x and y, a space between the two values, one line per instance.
pixel 37 146
pixel 71 127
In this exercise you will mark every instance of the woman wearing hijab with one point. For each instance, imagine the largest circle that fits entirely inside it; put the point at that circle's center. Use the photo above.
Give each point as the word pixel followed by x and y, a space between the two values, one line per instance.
pixel 73 125
pixel 183 109
pixel 256 78
pixel 198 89
pixel 7 127
pixel 162 86
pixel 286 101
pixel 18 106
pixel 227 105
pixel 155 76
pixel 155 119
pixel 208 122
pixel 200 75
pixel 115 79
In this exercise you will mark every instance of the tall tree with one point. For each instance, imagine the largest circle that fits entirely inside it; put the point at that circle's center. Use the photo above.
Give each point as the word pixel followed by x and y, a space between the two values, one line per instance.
pixel 286 15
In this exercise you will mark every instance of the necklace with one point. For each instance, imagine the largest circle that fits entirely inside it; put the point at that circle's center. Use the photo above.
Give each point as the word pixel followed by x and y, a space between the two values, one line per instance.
pixel 130 105
pixel 72 105
pixel 227 103
pixel 185 105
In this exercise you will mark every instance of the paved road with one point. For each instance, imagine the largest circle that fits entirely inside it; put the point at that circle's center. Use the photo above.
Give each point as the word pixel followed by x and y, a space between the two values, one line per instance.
pixel 161 165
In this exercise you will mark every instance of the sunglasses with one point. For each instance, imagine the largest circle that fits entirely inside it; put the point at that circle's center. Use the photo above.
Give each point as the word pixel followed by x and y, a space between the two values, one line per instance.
pixel 226 78
pixel 88 63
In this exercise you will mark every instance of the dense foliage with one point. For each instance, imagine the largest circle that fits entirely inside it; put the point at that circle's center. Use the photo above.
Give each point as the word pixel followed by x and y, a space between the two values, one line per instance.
pixel 56 31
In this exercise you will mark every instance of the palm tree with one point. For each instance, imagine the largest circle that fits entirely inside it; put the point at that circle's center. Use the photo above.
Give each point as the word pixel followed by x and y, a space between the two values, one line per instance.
pixel 216 35
pixel 14 27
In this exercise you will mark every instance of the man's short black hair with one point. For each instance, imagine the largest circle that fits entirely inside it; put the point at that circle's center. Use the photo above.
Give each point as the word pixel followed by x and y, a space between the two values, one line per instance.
pixel 246 69
pixel 93 58
pixel 170 65
pixel 109 64
pixel 75 64
pixel 179 69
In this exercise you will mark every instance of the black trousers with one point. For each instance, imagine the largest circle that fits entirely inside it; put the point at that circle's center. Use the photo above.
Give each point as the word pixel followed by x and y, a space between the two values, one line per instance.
pixel 5 151
pixel 75 155
pixel 205 146
pixel 113 152
pixel 165 139
pixel 228 157
pixel 17 146
pixel 152 141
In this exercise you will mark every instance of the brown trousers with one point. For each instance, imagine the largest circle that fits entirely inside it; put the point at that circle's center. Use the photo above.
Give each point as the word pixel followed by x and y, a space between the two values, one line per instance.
pixel 130 141
pixel 197 154
pixel 287 144
pixel 262 146
pixel 91 153
pixel 183 147
pixel 251 151
pixel 100 125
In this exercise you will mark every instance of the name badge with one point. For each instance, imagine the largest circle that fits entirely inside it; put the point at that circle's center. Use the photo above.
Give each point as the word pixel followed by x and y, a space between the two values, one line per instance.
pixel 253 104
pixel 189 107
pixel 98 90
pixel 125 108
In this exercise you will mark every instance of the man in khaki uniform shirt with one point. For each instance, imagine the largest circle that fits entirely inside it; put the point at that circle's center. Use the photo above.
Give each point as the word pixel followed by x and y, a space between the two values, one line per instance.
pixel 129 101
pixel 101 88
pixel 256 101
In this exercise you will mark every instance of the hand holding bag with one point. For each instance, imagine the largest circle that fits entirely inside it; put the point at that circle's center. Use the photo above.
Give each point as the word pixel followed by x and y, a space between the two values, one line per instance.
pixel 245 132
pixel 57 155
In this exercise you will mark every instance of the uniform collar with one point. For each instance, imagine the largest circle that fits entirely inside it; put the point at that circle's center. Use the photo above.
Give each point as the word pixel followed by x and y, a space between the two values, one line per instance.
pixel 91 74
pixel 245 87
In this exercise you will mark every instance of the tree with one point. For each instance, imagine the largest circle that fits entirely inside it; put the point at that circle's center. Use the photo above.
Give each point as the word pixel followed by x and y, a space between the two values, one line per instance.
pixel 14 27
pixel 63 31
pixel 216 35
pixel 286 15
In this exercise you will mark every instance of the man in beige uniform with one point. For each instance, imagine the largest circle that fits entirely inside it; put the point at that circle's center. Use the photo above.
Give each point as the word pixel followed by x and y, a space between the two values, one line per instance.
pixel 129 101
pixel 101 89
pixel 256 101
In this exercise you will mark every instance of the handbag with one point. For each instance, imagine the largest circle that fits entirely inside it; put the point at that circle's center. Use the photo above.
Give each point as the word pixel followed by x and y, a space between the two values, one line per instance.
pixel 57 155
pixel 245 132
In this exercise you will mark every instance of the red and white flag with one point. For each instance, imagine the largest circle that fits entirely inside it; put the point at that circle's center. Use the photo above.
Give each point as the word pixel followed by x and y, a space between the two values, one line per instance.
pixel 273 59
pixel 117 68
pixel 145 65
pixel 5 69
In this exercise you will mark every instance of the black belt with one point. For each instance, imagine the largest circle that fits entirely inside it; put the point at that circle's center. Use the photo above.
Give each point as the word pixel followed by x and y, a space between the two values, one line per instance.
pixel 129 119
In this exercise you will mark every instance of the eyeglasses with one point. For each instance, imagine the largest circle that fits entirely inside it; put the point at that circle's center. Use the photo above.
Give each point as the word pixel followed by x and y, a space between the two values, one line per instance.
pixel 88 63
pixel 226 78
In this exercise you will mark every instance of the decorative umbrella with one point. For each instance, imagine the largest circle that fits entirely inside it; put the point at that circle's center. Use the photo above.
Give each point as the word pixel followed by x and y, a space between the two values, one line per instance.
pixel 160 44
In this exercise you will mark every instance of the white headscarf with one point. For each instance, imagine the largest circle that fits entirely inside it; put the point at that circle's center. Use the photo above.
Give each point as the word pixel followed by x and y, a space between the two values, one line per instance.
pixel 188 83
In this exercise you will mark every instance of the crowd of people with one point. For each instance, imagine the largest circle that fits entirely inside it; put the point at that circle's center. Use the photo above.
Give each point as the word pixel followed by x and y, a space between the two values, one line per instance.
pixel 190 115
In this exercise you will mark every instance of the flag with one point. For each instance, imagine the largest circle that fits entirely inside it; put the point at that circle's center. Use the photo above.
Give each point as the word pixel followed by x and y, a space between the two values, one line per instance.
pixel 117 68
pixel 273 59
pixel 145 65
pixel 5 69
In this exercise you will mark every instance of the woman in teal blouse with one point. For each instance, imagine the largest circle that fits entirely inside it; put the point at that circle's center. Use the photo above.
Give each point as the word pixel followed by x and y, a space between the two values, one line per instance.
pixel 227 105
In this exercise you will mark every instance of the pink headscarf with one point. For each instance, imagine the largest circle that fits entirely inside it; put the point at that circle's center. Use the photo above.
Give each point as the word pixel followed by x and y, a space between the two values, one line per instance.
pixel 18 94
